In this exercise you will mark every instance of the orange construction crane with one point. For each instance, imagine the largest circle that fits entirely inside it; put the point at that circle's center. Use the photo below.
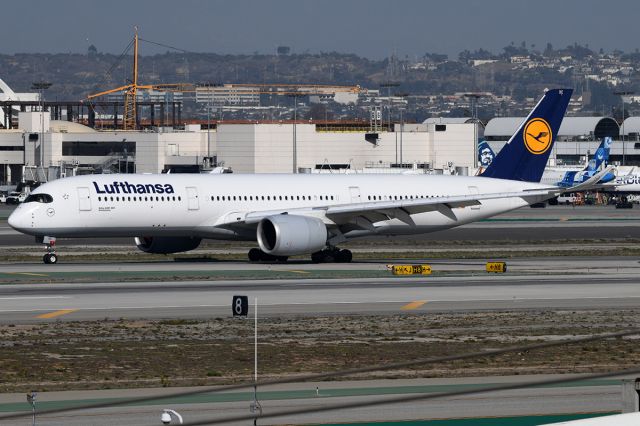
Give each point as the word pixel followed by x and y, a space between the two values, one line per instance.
pixel 131 90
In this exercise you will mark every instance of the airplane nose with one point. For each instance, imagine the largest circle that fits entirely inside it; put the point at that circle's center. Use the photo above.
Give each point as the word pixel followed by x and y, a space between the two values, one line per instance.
pixel 16 220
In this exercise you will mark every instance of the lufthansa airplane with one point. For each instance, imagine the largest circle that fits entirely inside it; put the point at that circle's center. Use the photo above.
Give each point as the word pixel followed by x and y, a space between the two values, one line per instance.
pixel 291 214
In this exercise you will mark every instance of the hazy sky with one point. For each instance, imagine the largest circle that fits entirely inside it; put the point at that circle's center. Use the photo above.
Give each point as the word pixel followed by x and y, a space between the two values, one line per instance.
pixel 371 28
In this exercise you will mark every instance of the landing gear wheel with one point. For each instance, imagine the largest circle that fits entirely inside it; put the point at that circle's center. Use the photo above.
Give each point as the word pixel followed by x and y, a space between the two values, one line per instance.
pixel 331 255
pixel 317 257
pixel 255 255
pixel 344 256
pixel 50 256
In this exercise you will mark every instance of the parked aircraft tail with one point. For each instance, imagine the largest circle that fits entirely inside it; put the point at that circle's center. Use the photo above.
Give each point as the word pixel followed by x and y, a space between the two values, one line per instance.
pixel 575 177
pixel 526 154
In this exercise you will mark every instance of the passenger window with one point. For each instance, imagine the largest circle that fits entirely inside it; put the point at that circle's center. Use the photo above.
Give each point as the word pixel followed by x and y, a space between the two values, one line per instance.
pixel 99 199
pixel 179 198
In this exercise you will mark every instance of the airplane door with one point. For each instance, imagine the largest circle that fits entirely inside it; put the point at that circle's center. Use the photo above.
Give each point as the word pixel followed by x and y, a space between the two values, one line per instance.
pixel 355 194
pixel 192 198
pixel 84 199
pixel 473 190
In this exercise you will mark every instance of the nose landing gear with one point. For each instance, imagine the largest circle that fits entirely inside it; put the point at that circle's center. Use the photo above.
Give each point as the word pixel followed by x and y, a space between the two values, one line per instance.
pixel 50 257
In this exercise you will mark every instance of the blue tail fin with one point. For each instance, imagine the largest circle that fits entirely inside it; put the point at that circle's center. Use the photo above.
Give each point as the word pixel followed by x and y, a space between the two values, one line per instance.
pixel 525 156
pixel 602 154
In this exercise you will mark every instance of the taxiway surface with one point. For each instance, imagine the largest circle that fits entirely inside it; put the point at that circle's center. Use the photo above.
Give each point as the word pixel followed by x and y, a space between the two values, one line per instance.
pixel 615 286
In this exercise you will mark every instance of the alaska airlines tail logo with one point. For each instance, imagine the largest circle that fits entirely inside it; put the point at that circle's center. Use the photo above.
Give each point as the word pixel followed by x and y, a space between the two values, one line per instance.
pixel 537 136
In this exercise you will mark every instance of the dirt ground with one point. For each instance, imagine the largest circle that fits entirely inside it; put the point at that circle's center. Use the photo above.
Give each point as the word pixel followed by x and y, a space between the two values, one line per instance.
pixel 124 353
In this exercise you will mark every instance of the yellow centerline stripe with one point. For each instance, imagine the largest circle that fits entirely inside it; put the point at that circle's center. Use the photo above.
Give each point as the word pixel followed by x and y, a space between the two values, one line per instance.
pixel 28 273
pixel 413 305
pixel 297 272
pixel 56 313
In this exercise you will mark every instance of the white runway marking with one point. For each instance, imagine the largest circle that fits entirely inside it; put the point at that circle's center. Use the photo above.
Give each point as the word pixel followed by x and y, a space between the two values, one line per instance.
pixel 34 297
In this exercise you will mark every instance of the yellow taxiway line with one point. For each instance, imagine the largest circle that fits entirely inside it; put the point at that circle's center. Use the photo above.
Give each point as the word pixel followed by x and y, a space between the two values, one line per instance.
pixel 55 314
pixel 413 305
pixel 28 273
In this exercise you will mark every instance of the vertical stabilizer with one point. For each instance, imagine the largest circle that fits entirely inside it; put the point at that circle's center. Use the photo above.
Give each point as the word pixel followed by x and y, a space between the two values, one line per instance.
pixel 526 154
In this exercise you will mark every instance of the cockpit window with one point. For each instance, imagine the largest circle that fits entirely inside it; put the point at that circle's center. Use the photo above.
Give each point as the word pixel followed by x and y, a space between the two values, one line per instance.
pixel 39 198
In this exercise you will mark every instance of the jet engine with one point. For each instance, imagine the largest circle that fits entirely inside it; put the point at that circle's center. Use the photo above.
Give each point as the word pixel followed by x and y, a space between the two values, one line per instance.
pixel 166 245
pixel 288 235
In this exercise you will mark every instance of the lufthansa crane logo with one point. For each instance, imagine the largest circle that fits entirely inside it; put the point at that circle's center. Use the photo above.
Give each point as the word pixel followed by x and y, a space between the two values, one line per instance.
pixel 537 136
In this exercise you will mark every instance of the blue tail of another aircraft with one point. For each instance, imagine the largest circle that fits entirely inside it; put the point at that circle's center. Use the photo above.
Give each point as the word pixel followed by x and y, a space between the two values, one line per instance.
pixel 526 154
pixel 601 156
pixel 575 177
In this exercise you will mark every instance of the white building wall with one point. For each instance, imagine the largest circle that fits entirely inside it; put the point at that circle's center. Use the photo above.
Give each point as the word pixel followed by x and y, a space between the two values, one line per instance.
pixel 236 147
pixel 271 147
pixel 456 145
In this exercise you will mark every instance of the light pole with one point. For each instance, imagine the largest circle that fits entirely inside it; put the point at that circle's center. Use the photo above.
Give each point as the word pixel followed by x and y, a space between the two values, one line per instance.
pixel 622 94
pixel 403 96
pixel 41 86
pixel 295 141
pixel 388 85
pixel 209 125
pixel 473 98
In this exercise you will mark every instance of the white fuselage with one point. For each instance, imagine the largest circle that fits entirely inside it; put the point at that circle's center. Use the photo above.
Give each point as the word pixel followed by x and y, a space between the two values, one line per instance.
pixel 195 204
pixel 627 183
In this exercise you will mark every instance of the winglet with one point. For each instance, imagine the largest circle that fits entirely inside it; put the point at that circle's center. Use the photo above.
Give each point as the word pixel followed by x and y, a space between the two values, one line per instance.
pixel 525 156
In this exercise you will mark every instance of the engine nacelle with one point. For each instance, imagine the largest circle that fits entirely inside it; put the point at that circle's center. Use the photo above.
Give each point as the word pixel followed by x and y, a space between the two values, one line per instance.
pixel 288 235
pixel 166 245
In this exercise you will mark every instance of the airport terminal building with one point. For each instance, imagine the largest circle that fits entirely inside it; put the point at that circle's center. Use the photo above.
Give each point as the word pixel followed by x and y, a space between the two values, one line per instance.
pixel 41 149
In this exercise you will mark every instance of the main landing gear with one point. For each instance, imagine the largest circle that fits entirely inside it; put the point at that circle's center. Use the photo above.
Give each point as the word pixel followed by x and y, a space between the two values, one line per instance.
pixel 257 255
pixel 50 257
pixel 332 255
pixel 328 255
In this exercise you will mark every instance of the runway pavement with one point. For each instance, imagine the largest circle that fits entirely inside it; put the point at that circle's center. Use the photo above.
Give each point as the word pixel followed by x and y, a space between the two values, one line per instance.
pixel 613 284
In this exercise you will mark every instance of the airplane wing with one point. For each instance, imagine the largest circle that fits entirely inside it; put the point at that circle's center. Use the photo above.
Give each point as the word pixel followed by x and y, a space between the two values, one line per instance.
pixel 375 211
